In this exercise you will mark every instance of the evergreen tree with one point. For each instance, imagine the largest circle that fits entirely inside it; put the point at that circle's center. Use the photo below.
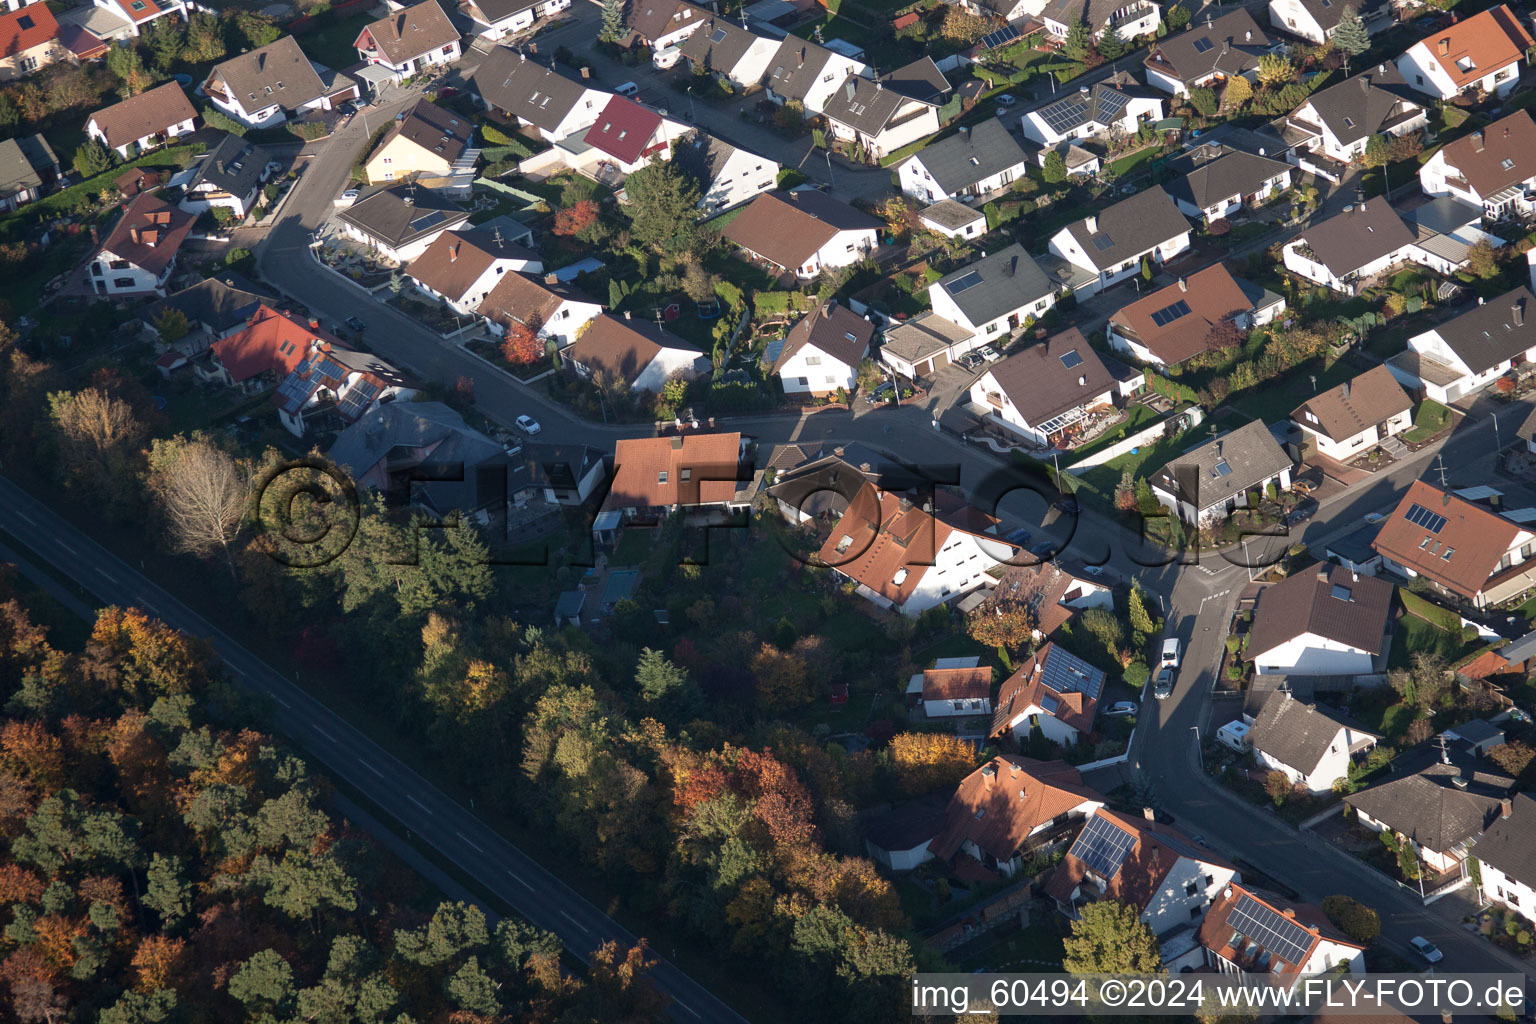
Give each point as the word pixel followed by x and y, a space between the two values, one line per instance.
pixel 1079 42
pixel 613 21
pixel 1054 170
pixel 1136 612
pixel 92 158
pixel 1111 44
pixel 663 202
pixel 1351 37
pixel 657 677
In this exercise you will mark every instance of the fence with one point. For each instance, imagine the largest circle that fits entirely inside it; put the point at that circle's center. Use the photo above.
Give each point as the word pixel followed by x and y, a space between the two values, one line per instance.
pixel 1147 435
pixel 1120 758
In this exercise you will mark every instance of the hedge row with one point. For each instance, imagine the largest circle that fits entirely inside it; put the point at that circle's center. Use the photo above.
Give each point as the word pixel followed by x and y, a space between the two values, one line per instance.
pixel 1442 618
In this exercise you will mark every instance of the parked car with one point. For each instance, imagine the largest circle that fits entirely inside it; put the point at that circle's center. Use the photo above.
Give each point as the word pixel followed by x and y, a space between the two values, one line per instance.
pixel 1007 99
pixel 1426 949
pixel 666 57
pixel 1044 549
pixel 1094 570
pixel 1162 687
pixel 883 393
pixel 1120 709
pixel 972 361
pixel 1304 510
pixel 447 92
pixel 356 323
pixel 629 89
pixel 1067 505
pixel 528 425
pixel 347 198
pixel 1374 517
pixel 1019 536
pixel 989 353
pixel 1171 650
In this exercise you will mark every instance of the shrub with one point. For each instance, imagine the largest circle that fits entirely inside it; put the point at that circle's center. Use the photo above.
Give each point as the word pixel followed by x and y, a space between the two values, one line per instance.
pixel 215 118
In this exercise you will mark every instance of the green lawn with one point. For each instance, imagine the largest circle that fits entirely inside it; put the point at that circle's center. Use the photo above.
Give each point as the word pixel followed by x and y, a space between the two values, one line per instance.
pixel 1140 416
pixel 1416 634
pixel 1036 949
pixel 1127 165
pixel 1273 400
pixel 332 45
pixel 1428 420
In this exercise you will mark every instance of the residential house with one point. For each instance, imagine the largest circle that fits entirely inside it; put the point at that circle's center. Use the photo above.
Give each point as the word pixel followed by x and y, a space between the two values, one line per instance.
pixel 925 344
pixel 806 73
pixel 730 52
pixel 1315 20
pixel 1054 691
pixel 409 40
pixel 1049 593
pixel 1011 809
pixel 1478 55
pixel 1477 736
pixel 629 136
pixel 1119 102
pixel 972 162
pixel 333 386
pixel 1465 354
pixel 1353 416
pixel 139 254
pixel 907 558
pixel 892 111
pixel 557 312
pixel 272 83
pixel 29 40
pixel 994 295
pixel 659 24
pixel 900 838
pixel 1044 392
pixel 1351 247
pixel 82 44
pixel 462 267
pixel 536 95
pixel 1166 877
pixel 1215 182
pixel 400 221
pixel 229 176
pixel 1493 168
pixel 1506 857
pixel 819 481
pixel 266 350
pixel 1180 321
pixel 822 352
pixel 954 688
pixel 1209 483
pixel 386 448
pixel 215 308
pixel 1439 810
pixel 27 167
pixel 143 122
pixel 497 19
pixel 666 475
pixel 1331 622
pixel 1309 747
pixel 1463 549
pixel 1208 54
pixel 556 474
pixel 1131 19
pixel 803 231
pixel 953 219
pixel 637 352
pixel 1330 130
pixel 1245 932
pixel 129 18
pixel 427 141
pixel 727 175
pixel 1111 244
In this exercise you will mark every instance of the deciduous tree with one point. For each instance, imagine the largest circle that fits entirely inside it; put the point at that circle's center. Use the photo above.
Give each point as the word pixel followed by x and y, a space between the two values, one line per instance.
pixel 1109 937
pixel 522 344
pixel 926 761
pixel 574 220
pixel 202 493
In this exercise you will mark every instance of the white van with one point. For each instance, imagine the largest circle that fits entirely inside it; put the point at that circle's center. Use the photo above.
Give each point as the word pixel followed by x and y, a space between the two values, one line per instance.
pixel 1171 652
pixel 666 57
pixel 629 89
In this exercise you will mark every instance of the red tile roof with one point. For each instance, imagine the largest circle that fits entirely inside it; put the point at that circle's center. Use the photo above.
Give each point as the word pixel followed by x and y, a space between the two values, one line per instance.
pixel 145 114
pixel 1216 934
pixel 149 233
pixel 689 469
pixel 23 29
pixel 885 543
pixel 1155 852
pixel 271 341
pixel 1489 40
pixel 146 10
pixel 1465 551
pixel 623 130
pixel 1212 295
pixel 1497 156
pixel 999 804
pixel 957 683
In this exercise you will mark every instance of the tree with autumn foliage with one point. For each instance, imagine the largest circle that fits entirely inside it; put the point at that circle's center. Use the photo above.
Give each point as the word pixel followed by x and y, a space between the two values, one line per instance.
pixel 928 761
pixel 522 344
pixel 574 221
pixel 1002 622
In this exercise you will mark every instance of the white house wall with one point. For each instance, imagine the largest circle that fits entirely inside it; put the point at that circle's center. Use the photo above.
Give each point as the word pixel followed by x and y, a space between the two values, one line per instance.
pixel 1290 16
pixel 826 376
pixel 1174 906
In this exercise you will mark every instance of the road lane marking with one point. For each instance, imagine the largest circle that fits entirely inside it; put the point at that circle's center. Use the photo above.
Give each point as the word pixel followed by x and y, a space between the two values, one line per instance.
pixel 27 518
pixel 470 841
pixel 370 767
pixel 281 701
pixel 684 1006
pixel 575 922
pixel 519 880
pixel 327 735
pixel 66 547
pixel 418 803
pixel 107 574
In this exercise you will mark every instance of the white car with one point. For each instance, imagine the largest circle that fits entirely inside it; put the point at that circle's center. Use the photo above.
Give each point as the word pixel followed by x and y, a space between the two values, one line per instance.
pixel 666 57
pixel 1171 651
pixel 1120 709
pixel 347 198
pixel 1426 949
pixel 528 425
pixel 989 353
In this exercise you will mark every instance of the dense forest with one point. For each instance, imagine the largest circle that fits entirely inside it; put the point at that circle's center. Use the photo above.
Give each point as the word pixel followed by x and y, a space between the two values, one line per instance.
pixel 162 868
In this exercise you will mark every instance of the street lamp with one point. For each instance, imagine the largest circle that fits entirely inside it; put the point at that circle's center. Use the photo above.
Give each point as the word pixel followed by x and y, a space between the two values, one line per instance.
pixel 831 179
pixel 693 117
pixel 1200 754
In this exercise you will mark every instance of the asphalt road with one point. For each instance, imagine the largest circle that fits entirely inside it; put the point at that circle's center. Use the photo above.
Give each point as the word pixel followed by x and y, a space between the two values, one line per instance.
pixel 497 866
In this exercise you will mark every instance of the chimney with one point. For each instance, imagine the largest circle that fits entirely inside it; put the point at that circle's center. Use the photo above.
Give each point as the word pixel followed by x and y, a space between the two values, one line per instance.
pixel 314 324
pixel 1322 575
pixel 628 315
pixel 1092 223
pixel 677 443
pixel 1445 45
pixel 551 278
pixel 453 252
pixel 1477 141
pixel 1506 807
pixel 1345 390
pixel 1518 312
pixel 838 451
pixel 586 72
pixel 1183 285
pixel 1288 912
pixel 1149 814
pixel 133 233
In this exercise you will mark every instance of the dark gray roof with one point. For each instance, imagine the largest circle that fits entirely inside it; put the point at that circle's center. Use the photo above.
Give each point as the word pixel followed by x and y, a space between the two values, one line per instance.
pixel 719 43
pixel 1100 104
pixel 795 68
pixel 1509 844
pixel 403 434
pixel 1361 105
pixel 1477 731
pixel 970 155
pixel 1129 228
pixel 234 165
pixel 220 302
pixel 911 824
pixel 1045 380
pixel 496 10
pixel 1262 140
pixel 863 105
pixel 919 80
pixel 951 214
pixel 1431 808
pixel 1332 603
pixel 1348 241
pixel 1355 546
pixel 1522 648
pixel 538 93
pixel 996 285
pixel 1294 733
pixel 1093 13
pixel 1249 453
pixel 401 214
pixel 1499 329
pixel 547 465
pixel 1230 45
pixel 829 483
pixel 1444 214
pixel 22 163
pixel 1214 173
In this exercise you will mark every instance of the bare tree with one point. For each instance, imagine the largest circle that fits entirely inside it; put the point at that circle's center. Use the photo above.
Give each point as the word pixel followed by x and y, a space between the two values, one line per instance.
pixel 99 437
pixel 203 494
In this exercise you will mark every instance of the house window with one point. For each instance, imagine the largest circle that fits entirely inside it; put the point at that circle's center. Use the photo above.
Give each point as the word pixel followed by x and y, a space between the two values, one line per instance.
pixel 119 264
pixel 1514 900
pixel 803 381
pixel 684 475
pixel 1194 912
pixel 1191 888
pixel 813 360
pixel 661 477
pixel 122 282
pixel 448 50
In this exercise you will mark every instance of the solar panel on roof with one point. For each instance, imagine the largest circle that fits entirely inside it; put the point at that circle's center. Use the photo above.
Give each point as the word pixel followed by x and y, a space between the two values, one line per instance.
pixel 1003 36
pixel 718 36
pixel 1418 515
pixel 1203 44
pixel 1069 113
pixel 1272 930
pixel 1071 359
pixel 960 284
pixel 1111 102
pixel 359 396
pixel 428 220
pixel 1102 845
pixel 1168 314
pixel 1066 673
